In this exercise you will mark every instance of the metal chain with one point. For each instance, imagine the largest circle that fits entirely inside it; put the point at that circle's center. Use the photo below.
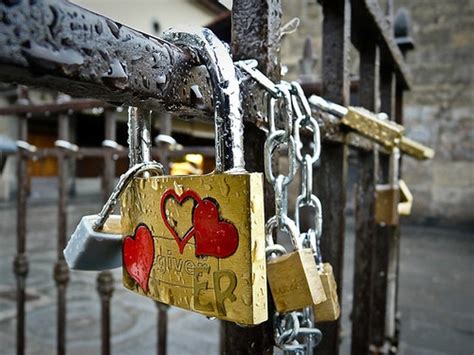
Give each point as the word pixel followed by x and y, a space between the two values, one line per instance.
pixel 306 198
pixel 294 331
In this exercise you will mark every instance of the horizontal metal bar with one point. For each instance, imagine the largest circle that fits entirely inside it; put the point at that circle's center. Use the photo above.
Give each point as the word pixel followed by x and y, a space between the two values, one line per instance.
pixel 93 152
pixel 61 46
pixel 368 17
pixel 55 107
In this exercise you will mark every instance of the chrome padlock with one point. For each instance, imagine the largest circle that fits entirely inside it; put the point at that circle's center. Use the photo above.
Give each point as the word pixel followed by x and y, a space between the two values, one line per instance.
pixel 96 244
pixel 197 242
pixel 293 277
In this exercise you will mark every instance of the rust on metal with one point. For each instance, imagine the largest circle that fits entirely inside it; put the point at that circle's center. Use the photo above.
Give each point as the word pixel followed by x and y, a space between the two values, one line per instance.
pixel 20 261
pixel 331 175
pixel 370 18
pixel 263 19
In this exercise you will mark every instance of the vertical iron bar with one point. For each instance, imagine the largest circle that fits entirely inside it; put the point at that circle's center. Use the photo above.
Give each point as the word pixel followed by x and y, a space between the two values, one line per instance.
pixel 105 279
pixel 385 234
pixel 255 34
pixel 365 208
pixel 139 135
pixel 162 328
pixel 330 177
pixel 61 270
pixel 20 262
pixel 109 162
pixel 399 119
pixel 389 291
pixel 162 319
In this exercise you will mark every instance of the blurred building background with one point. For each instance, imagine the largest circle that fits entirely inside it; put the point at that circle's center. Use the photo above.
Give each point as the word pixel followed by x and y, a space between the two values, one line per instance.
pixel 439 109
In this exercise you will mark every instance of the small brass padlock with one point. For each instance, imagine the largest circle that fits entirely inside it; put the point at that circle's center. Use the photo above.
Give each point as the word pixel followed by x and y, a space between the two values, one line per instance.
pixel 197 242
pixel 294 279
pixel 387 198
pixel 329 310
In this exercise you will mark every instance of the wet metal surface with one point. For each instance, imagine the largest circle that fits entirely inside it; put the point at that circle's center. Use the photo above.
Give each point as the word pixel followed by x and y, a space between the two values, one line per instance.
pixel 62 46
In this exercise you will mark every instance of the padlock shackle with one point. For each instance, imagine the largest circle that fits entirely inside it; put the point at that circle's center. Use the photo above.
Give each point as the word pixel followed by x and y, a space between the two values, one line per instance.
pixel 394 167
pixel 123 182
pixel 228 122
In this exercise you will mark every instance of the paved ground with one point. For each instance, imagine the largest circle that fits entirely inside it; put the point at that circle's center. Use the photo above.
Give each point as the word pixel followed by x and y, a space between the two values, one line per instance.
pixel 436 296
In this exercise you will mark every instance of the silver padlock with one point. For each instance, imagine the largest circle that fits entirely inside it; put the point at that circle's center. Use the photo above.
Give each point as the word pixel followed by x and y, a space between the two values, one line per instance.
pixel 95 244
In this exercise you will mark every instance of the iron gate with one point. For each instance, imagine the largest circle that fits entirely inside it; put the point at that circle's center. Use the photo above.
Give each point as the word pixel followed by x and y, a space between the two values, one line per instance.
pixel 60 46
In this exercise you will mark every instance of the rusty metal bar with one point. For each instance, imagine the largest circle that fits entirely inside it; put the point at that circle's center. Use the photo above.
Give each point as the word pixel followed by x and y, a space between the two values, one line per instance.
pixel 372 19
pixel 105 279
pixel 365 207
pixel 162 328
pixel 389 102
pixel 61 46
pixel 394 334
pixel 105 288
pixel 385 234
pixel 96 152
pixel 61 270
pixel 20 262
pixel 255 34
pixel 330 177
pixel 52 108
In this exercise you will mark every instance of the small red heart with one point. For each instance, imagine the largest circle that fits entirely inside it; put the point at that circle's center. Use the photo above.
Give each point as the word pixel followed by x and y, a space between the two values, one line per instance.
pixel 214 237
pixel 170 193
pixel 138 254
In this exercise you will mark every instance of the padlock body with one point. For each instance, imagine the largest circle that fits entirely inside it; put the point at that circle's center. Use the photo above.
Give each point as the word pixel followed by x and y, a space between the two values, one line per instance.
pixel 197 242
pixel 294 281
pixel 88 249
pixel 387 198
pixel 329 310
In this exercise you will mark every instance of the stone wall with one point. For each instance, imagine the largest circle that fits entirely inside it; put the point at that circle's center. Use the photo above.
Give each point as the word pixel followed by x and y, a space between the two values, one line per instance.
pixel 439 108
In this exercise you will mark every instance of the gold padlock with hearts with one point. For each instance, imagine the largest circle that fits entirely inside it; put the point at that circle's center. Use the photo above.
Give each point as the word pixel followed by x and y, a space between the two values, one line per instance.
pixel 197 242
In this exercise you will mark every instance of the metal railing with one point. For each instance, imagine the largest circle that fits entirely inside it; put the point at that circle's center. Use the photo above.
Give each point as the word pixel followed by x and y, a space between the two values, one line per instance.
pixel 83 65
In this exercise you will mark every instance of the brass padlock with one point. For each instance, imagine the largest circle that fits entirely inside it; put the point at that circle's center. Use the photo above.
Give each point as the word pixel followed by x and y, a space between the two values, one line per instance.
pixel 368 124
pixel 293 277
pixel 197 242
pixel 329 310
pixel 387 198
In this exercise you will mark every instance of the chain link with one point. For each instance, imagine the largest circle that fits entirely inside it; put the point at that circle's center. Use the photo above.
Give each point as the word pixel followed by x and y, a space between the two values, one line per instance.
pixel 306 198
pixel 294 331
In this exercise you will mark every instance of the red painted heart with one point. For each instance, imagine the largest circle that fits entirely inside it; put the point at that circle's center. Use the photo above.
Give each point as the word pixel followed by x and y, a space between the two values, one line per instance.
pixel 138 254
pixel 180 199
pixel 214 237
